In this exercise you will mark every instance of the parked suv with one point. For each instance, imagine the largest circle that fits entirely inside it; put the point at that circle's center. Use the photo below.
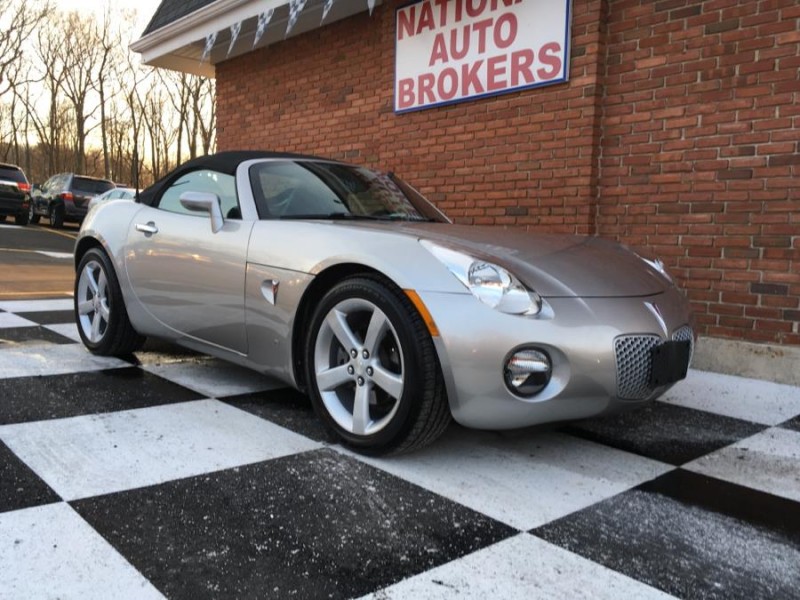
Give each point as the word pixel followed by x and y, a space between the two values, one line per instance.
pixel 65 197
pixel 15 194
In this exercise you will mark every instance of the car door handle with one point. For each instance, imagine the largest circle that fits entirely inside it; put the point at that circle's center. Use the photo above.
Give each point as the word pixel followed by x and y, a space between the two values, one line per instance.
pixel 147 228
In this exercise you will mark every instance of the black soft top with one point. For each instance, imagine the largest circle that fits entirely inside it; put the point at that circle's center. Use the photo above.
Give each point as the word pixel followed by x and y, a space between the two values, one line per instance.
pixel 223 162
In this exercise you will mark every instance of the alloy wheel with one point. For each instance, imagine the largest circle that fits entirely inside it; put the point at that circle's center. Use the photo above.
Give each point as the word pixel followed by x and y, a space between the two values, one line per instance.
pixel 93 308
pixel 358 365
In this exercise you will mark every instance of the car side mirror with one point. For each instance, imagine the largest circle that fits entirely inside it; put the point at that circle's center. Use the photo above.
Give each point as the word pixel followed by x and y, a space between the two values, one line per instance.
pixel 204 202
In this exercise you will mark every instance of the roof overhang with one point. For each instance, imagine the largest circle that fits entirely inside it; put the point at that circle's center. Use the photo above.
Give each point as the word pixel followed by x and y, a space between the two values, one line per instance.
pixel 179 45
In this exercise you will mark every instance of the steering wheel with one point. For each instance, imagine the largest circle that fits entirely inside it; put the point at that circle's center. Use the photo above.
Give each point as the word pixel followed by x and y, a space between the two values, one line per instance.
pixel 280 203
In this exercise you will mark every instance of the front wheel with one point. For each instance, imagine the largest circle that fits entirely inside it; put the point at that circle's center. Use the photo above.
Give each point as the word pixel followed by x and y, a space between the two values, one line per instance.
pixel 100 312
pixel 32 216
pixel 372 370
pixel 57 216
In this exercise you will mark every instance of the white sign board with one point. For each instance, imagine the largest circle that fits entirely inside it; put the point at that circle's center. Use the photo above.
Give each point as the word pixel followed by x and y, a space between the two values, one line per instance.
pixel 454 50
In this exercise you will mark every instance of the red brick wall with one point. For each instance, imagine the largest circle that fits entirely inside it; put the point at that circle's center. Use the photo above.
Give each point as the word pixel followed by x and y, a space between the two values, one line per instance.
pixel 669 135
pixel 701 154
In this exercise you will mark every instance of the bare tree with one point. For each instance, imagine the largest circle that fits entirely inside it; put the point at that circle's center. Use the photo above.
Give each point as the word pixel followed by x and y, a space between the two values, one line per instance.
pixel 18 20
pixel 204 107
pixel 111 71
pixel 161 131
pixel 81 59
pixel 77 99
pixel 134 106
pixel 178 89
pixel 49 128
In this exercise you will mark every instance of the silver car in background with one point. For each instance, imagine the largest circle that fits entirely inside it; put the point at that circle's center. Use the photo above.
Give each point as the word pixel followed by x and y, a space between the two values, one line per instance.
pixel 348 285
pixel 118 193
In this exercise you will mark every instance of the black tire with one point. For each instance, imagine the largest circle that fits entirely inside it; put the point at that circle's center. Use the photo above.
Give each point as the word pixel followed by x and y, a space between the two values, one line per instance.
pixel 32 216
pixel 21 219
pixel 57 216
pixel 404 350
pixel 101 316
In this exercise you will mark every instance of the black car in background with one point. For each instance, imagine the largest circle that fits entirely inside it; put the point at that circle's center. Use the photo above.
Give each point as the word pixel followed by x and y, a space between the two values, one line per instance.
pixel 65 197
pixel 14 194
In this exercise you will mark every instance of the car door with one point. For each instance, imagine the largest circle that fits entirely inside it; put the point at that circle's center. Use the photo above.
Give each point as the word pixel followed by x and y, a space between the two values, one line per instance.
pixel 39 197
pixel 186 276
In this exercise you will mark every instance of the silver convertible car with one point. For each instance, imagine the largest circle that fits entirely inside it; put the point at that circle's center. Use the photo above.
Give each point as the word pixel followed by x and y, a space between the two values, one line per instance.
pixel 348 285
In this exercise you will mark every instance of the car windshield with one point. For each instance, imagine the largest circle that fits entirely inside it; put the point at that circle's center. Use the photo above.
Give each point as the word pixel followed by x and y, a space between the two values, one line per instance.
pixel 322 190
pixel 91 186
pixel 10 174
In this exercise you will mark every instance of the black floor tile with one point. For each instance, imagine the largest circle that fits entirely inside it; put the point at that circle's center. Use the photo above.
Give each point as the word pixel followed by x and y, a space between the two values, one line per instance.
pixel 665 432
pixel 50 317
pixel 793 424
pixel 19 486
pixel 313 525
pixel 57 396
pixel 286 407
pixel 13 336
pixel 691 536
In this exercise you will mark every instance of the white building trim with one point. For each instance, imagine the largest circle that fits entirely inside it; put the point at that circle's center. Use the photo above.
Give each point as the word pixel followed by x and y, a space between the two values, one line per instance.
pixel 179 44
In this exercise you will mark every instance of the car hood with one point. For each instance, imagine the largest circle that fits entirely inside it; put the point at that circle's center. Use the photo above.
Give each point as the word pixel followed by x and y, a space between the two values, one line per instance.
pixel 553 265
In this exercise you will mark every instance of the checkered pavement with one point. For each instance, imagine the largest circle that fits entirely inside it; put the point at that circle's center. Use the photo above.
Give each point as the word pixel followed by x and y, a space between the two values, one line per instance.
pixel 176 475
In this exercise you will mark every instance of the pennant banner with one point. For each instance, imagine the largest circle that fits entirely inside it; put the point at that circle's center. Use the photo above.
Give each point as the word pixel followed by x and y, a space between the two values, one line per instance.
pixel 211 39
pixel 295 8
pixel 236 29
pixel 263 21
pixel 326 8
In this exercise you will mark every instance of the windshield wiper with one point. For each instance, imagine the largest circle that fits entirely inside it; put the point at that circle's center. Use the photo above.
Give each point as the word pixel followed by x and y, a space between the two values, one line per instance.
pixel 334 216
pixel 339 216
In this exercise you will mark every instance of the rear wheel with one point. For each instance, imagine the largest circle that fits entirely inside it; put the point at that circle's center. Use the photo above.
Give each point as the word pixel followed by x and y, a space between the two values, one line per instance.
pixel 372 370
pixel 100 312
pixel 57 216
pixel 21 219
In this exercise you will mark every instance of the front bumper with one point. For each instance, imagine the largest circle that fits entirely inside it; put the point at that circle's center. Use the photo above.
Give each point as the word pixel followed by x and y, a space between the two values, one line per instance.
pixel 578 335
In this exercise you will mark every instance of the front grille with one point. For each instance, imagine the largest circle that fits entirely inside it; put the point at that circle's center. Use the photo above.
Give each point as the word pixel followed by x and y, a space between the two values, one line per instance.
pixel 634 365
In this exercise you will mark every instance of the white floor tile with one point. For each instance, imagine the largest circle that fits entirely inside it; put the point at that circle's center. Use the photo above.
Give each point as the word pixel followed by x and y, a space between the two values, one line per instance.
pixel 215 378
pixel 522 480
pixel 54 359
pixel 98 454
pixel 520 568
pixel 69 330
pixel 739 397
pixel 768 461
pixel 50 552
pixel 12 320
pixel 22 306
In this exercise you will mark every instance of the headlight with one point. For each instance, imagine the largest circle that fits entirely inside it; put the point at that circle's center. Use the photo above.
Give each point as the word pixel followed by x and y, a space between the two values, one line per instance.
pixel 489 283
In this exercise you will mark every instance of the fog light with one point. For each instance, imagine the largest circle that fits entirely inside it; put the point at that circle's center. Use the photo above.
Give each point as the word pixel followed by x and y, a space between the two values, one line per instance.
pixel 527 372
